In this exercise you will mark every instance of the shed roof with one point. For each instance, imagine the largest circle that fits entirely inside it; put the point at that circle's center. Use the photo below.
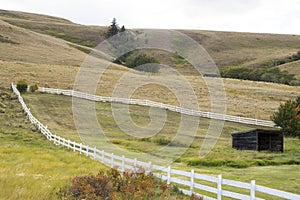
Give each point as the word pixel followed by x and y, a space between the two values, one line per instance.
pixel 259 131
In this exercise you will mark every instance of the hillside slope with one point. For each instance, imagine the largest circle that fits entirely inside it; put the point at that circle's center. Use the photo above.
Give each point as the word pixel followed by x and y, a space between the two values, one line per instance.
pixel 30 52
pixel 84 35
pixel 226 48
pixel 32 167
pixel 19 44
pixel 292 67
pixel 249 49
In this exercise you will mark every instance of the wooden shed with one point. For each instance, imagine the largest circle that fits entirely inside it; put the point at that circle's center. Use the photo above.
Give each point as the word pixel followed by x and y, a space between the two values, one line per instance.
pixel 258 140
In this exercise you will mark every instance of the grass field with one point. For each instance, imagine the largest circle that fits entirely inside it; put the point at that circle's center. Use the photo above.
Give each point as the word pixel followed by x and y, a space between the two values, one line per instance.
pixel 49 51
pixel 32 167
pixel 242 96
pixel 56 112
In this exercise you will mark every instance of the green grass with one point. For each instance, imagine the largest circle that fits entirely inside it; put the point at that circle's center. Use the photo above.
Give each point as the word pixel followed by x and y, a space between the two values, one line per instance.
pixel 56 112
pixel 71 38
pixel 32 167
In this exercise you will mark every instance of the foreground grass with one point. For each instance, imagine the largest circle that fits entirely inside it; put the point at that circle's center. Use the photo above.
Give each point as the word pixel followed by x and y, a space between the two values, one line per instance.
pixel 32 167
pixel 277 170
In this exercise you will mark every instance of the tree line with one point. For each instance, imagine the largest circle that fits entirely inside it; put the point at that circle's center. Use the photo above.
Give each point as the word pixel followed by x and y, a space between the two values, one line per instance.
pixel 266 74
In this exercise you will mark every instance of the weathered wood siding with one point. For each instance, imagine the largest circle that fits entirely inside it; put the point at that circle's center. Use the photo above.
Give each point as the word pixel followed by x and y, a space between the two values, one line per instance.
pixel 270 141
pixel 258 139
pixel 245 140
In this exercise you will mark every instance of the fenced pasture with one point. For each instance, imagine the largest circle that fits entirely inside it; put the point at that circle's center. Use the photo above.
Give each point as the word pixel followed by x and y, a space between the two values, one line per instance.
pixel 189 181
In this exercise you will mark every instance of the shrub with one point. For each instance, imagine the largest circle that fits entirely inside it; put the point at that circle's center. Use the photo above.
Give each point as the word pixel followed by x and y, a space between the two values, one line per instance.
pixel 33 88
pixel 162 140
pixel 142 63
pixel 115 185
pixel 266 74
pixel 22 86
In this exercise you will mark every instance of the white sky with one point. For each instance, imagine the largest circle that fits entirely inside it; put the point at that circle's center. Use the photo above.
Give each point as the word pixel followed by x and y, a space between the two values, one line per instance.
pixel 268 16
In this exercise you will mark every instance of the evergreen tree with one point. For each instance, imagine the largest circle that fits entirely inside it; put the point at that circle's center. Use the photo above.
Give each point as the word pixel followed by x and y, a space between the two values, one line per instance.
pixel 113 29
pixel 286 117
pixel 123 29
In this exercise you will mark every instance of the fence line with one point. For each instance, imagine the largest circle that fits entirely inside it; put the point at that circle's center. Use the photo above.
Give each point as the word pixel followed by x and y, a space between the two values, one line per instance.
pixel 189 179
pixel 181 110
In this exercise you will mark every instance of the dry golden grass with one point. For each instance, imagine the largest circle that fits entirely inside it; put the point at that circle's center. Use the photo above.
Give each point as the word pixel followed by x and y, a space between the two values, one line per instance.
pixel 52 62
pixel 226 48
pixel 244 98
pixel 250 49
pixel 32 47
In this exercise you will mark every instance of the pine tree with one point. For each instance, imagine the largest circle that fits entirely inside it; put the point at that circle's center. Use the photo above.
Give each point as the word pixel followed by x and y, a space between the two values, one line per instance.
pixel 123 29
pixel 113 29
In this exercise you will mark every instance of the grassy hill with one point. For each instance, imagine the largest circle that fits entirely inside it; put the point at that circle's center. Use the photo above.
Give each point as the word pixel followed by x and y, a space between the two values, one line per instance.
pixel 31 52
pixel 67 30
pixel 226 48
pixel 293 68
pixel 24 45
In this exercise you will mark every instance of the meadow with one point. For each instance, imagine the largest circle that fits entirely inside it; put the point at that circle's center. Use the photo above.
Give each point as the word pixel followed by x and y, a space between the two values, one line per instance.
pixel 56 112
pixel 32 167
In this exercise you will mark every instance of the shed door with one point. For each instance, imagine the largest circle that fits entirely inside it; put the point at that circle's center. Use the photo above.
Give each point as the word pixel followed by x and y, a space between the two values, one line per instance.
pixel 269 142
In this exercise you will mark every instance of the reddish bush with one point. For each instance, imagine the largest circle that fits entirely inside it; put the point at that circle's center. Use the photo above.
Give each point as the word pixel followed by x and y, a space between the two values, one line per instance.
pixel 115 185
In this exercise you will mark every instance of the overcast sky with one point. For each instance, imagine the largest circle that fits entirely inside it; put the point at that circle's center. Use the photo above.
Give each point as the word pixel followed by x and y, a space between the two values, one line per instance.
pixel 267 16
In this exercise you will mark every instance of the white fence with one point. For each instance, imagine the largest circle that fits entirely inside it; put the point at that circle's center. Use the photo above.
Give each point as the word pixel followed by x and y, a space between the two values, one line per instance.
pixel 186 111
pixel 189 180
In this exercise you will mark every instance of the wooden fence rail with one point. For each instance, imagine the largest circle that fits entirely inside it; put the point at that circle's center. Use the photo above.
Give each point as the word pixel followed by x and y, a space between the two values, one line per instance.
pixel 187 181
pixel 186 111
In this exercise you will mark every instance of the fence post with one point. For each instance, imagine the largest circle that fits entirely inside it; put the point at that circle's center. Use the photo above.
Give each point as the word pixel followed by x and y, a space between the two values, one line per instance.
pixel 80 148
pixel 62 141
pixel 74 145
pixel 94 153
pixel 87 148
pixel 112 160
pixel 169 175
pixel 69 146
pixel 192 181
pixel 149 167
pixel 219 187
pixel 57 138
pixel 134 165
pixel 102 156
pixel 252 190
pixel 123 163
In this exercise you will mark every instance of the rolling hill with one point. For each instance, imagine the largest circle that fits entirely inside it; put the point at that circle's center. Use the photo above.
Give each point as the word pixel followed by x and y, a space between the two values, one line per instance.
pixel 226 48
pixel 49 51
